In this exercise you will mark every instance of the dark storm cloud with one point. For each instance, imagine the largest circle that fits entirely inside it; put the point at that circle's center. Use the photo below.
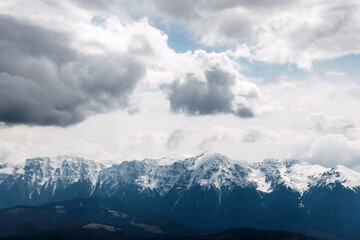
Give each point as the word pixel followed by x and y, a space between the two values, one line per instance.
pixel 19 40
pixel 43 81
pixel 26 101
pixel 213 96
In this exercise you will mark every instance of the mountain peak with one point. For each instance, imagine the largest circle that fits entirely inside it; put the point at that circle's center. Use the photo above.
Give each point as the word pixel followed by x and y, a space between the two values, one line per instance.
pixel 278 162
pixel 47 173
pixel 209 158
pixel 340 174
pixel 171 159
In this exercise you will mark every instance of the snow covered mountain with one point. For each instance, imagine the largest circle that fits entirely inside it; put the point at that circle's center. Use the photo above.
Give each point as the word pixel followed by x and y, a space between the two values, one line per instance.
pixel 5 171
pixel 212 170
pixel 49 178
pixel 300 176
pixel 158 177
pixel 208 190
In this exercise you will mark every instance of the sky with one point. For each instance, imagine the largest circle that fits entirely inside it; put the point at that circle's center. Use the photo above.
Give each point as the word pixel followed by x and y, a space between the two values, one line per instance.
pixel 116 80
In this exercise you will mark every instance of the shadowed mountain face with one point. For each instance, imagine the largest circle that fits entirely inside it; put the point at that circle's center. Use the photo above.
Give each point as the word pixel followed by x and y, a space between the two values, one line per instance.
pixel 96 218
pixel 251 234
pixel 116 213
pixel 102 232
pixel 31 220
pixel 80 215
pixel 208 191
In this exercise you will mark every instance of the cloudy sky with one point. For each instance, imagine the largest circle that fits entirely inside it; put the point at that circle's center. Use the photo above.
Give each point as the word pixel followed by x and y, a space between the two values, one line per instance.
pixel 114 80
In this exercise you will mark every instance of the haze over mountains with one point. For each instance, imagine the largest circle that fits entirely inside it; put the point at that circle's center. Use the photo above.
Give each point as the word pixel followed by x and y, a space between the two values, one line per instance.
pixel 208 191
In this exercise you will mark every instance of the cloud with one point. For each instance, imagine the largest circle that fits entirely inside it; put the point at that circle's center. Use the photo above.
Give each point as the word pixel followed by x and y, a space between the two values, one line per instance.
pixel 297 32
pixel 176 138
pixel 198 98
pixel 84 64
pixel 45 79
pixel 225 135
pixel 219 135
pixel 332 140
pixel 255 134
pixel 95 4
pixel 325 125
pixel 334 150
pixel 215 88
pixel 335 74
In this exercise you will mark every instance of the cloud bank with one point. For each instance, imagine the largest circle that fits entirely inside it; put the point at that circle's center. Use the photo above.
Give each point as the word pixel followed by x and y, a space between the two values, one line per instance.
pixel 297 32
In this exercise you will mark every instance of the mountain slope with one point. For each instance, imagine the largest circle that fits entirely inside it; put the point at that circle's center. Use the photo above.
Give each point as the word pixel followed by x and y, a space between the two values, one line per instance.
pixel 48 179
pixel 252 234
pixel 106 232
pixel 210 191
pixel 116 213
pixel 103 217
pixel 24 221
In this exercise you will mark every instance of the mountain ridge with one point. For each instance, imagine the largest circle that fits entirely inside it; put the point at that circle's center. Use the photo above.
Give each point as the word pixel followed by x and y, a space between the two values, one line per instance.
pixel 209 190
pixel 265 175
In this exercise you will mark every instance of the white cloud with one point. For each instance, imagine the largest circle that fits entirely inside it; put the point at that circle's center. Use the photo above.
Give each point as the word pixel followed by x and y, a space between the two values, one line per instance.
pixel 298 32
pixel 335 74
pixel 325 125
pixel 224 135
pixel 177 137
pixel 334 150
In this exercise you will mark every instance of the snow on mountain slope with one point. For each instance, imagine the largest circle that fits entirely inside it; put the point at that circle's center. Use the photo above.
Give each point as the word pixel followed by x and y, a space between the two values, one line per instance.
pixel 171 159
pixel 298 176
pixel 213 169
pixel 151 174
pixel 48 172
pixel 207 170
pixel 5 171
pixel 261 181
pixel 348 178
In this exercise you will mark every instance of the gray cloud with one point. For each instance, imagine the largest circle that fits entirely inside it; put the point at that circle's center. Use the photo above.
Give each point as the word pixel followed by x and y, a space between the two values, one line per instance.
pixel 26 101
pixel 244 111
pixel 325 125
pixel 331 150
pixel 175 139
pixel 96 4
pixel 188 9
pixel 213 96
pixel 33 41
pixel 254 134
pixel 237 28
pixel 209 141
pixel 43 81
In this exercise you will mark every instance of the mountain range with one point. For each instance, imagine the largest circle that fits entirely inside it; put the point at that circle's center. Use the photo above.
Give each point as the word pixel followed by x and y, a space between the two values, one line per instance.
pixel 206 192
